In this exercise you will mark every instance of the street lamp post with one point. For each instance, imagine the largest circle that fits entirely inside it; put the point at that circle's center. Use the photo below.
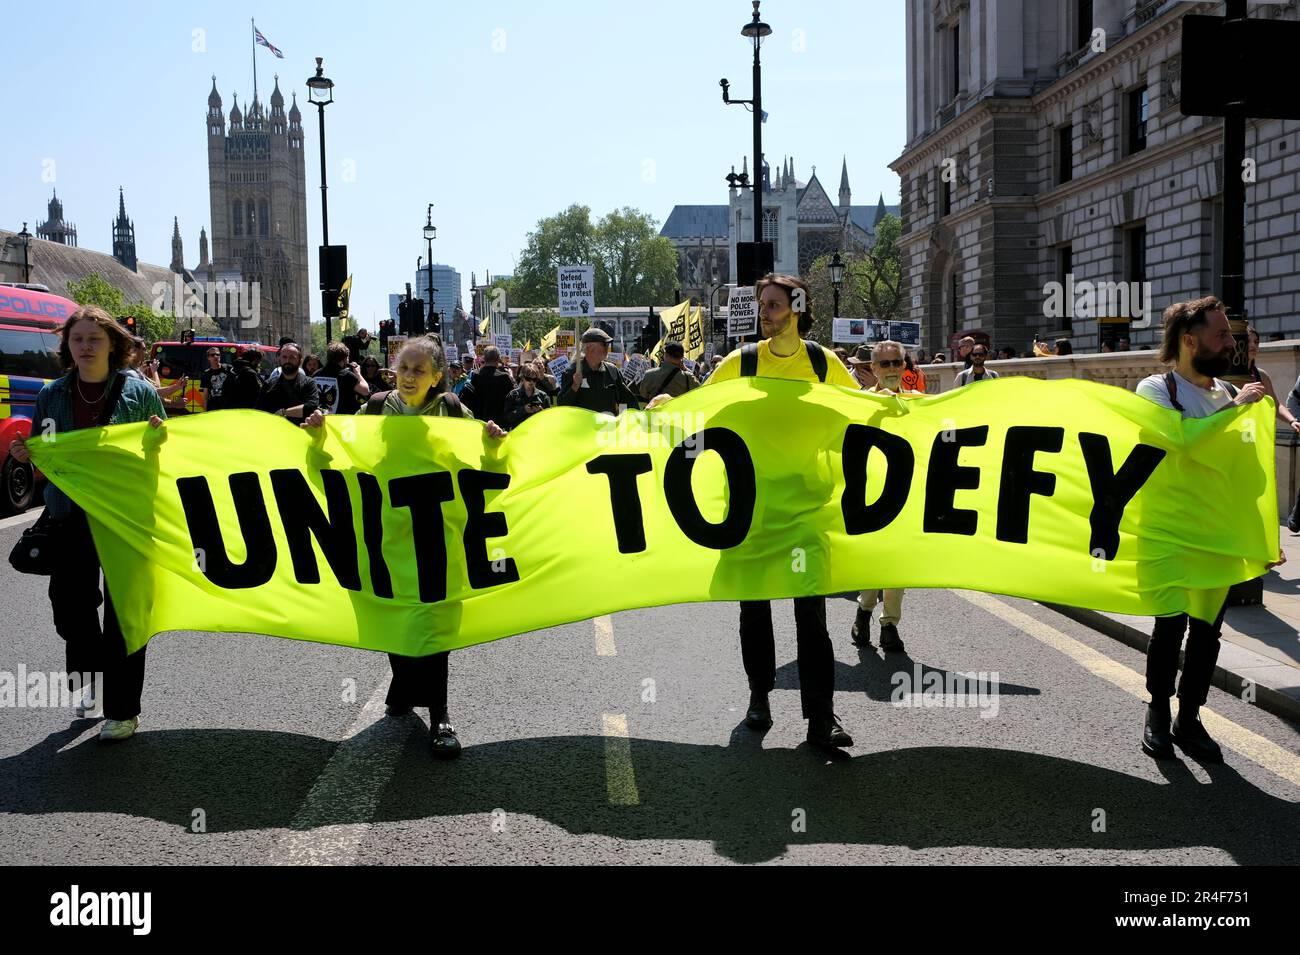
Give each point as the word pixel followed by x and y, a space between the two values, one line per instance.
pixel 431 233
pixel 754 30
pixel 837 278
pixel 27 265
pixel 320 90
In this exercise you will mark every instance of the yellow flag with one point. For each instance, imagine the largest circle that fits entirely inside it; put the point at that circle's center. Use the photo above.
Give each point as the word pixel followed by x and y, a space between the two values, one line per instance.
pixel 484 325
pixel 548 340
pixel 695 335
pixel 528 345
pixel 345 302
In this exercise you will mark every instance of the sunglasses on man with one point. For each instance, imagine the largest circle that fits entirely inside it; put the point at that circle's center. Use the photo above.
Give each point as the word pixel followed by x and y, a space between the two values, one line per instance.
pixel 891 363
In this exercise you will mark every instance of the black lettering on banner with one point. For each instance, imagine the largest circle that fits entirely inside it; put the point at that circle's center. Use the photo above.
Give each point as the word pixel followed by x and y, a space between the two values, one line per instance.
pixel 425 494
pixel 624 498
pixel 900 463
pixel 740 481
pixel 1020 480
pixel 480 525
pixel 372 529
pixel 945 477
pixel 302 517
pixel 254 527
pixel 1112 491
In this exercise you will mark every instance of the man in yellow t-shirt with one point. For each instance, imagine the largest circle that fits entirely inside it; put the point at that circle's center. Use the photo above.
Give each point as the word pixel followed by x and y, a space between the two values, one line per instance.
pixel 785 312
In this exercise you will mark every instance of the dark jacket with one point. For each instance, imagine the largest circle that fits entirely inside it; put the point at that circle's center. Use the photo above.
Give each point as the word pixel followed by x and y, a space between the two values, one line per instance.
pixel 679 381
pixel 441 404
pixel 485 395
pixel 516 402
pixel 244 389
pixel 138 401
pixel 604 389
pixel 283 393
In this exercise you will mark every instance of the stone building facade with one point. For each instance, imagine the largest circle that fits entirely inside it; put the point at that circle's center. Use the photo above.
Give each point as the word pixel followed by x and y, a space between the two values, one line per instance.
pixel 258 189
pixel 1045 142
pixel 799 218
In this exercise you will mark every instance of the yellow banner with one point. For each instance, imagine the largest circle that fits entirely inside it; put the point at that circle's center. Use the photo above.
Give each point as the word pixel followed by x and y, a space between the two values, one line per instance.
pixel 420 534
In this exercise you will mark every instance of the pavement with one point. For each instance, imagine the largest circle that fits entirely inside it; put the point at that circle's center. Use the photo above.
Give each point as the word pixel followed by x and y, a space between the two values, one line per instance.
pixel 620 739
pixel 1260 650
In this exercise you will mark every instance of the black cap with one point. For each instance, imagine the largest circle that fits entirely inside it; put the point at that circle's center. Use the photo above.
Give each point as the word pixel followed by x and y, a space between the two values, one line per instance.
pixel 595 334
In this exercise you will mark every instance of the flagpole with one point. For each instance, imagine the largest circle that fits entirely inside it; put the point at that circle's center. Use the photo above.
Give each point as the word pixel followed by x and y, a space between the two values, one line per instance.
pixel 254 24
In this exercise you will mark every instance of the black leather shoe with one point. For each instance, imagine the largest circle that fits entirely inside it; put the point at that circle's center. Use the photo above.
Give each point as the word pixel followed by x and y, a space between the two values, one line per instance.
pixel 1191 737
pixel 1156 740
pixel 826 732
pixel 759 716
pixel 1293 525
pixel 889 640
pixel 862 628
pixel 397 712
pixel 443 741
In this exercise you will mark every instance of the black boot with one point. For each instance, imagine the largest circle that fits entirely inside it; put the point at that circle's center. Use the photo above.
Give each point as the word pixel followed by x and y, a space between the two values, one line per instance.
pixel 1189 733
pixel 1156 740
pixel 889 639
pixel 443 741
pixel 759 716
pixel 862 628
pixel 826 732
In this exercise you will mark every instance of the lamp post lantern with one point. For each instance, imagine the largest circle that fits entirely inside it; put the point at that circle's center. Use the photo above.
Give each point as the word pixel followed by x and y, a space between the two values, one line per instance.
pixel 320 90
pixel 837 278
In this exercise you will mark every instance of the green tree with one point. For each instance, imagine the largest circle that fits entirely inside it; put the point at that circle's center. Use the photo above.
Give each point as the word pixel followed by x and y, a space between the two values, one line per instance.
pixel 151 325
pixel 565 239
pixel 634 264
pixel 872 286
pixel 530 325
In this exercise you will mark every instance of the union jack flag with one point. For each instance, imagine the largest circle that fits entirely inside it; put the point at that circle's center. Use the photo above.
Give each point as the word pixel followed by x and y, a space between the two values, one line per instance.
pixel 266 43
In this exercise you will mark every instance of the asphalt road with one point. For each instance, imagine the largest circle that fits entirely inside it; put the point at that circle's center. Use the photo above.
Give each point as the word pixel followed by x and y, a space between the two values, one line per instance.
pixel 620 740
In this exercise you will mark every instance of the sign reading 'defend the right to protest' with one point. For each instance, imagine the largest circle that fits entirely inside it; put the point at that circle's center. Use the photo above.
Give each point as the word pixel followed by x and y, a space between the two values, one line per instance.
pixel 577 285
pixel 742 311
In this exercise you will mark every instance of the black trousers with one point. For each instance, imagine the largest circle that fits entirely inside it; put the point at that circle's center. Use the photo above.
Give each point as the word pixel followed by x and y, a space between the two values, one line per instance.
pixel 815 654
pixel 420 681
pixel 1198 660
pixel 89 647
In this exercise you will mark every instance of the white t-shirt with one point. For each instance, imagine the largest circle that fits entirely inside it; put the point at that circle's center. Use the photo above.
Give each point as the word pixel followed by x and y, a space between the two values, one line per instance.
pixel 1196 401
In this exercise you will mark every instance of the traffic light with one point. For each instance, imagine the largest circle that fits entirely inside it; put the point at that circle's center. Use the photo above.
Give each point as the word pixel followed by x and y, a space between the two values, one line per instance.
pixel 404 317
pixel 417 316
pixel 386 328
pixel 128 322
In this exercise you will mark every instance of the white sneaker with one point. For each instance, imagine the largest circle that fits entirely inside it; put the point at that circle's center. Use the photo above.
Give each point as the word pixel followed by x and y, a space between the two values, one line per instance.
pixel 119 729
pixel 90 706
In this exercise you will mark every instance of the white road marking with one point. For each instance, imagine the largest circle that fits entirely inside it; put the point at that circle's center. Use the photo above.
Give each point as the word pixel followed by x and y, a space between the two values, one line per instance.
pixel 1256 748
pixel 604 637
pixel 620 780
pixel 350 785
pixel 22 518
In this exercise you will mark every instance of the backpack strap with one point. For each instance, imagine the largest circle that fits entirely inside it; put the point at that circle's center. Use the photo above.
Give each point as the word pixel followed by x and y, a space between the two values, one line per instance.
pixel 1232 389
pixel 748 360
pixel 818 359
pixel 1173 390
pixel 375 403
pixel 452 401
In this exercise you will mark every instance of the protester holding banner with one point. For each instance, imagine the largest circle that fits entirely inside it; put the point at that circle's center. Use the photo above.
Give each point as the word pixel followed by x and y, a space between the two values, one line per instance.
pixel 670 378
pixel 292 394
pixel 421 390
pixel 782 354
pixel 95 392
pixel 594 383
pixel 888 368
pixel 1198 340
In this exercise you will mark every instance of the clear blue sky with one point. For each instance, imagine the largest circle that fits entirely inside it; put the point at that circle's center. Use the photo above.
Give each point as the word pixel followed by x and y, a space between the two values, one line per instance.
pixel 499 113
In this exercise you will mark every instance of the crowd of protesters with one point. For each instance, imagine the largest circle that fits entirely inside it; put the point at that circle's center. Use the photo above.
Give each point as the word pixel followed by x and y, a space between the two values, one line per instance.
pixel 108 381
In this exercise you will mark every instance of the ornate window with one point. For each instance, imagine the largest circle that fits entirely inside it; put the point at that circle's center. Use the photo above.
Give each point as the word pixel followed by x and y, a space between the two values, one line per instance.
pixel 237 216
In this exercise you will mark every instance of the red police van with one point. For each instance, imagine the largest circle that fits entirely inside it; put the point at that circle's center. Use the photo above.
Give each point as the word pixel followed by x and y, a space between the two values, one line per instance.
pixel 29 357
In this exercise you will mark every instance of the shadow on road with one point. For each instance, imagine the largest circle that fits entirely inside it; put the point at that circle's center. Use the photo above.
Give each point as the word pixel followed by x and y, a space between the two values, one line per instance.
pixel 742 798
